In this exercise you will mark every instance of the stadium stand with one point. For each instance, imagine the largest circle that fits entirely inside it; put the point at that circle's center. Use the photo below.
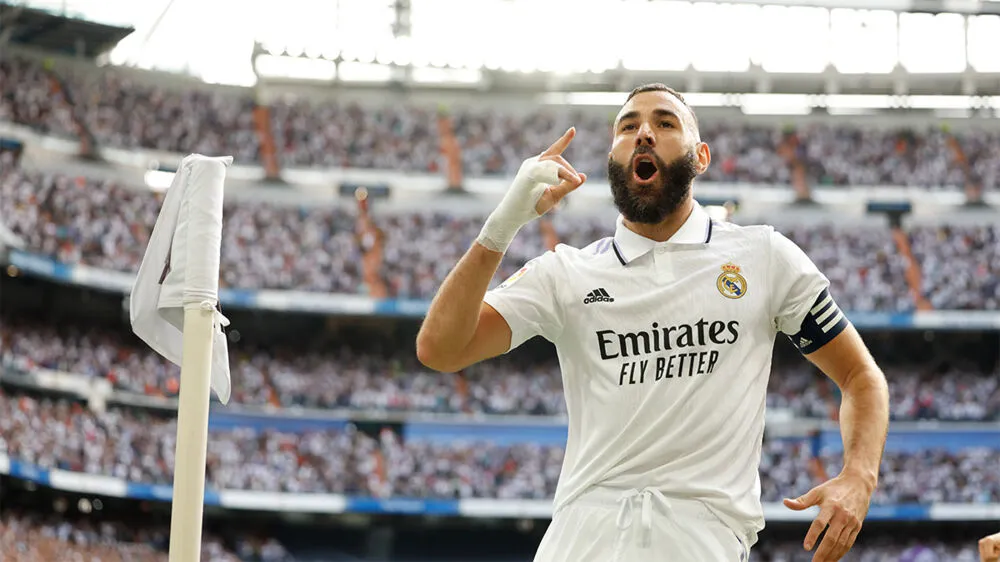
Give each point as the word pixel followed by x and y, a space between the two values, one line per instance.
pixel 267 246
pixel 365 439
pixel 139 447
pixel 952 387
pixel 493 141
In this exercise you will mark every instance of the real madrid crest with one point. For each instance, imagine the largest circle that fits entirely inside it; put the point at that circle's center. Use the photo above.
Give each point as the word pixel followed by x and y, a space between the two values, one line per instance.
pixel 730 283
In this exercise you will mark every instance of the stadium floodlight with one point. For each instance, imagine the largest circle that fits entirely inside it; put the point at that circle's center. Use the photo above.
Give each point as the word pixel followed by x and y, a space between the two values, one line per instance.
pixel 173 307
pixel 858 101
pixel 331 51
pixel 939 102
pixel 362 72
pixel 984 43
pixel 776 104
pixel 616 99
pixel 708 99
pixel 314 51
pixel 296 68
pixel 402 58
pixel 430 75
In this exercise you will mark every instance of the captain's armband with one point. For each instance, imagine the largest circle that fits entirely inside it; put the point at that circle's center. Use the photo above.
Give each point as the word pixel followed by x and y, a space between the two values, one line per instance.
pixel 822 323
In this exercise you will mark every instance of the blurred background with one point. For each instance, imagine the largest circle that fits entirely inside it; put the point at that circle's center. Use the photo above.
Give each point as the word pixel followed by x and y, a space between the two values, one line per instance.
pixel 867 131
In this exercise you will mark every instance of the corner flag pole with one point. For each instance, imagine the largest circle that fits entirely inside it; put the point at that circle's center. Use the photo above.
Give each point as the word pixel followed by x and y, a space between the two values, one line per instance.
pixel 192 435
pixel 202 206
pixel 174 309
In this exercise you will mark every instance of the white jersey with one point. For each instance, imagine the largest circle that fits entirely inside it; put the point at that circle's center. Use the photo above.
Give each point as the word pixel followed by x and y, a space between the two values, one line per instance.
pixel 665 351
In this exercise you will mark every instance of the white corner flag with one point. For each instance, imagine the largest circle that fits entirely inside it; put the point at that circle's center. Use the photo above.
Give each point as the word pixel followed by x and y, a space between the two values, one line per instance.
pixel 174 308
pixel 181 266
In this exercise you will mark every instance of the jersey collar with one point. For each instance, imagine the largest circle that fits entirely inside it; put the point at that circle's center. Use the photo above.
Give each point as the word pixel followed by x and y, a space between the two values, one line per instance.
pixel 628 245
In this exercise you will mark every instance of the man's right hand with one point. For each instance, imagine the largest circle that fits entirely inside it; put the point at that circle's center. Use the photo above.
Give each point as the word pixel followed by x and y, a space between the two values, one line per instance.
pixel 989 548
pixel 540 183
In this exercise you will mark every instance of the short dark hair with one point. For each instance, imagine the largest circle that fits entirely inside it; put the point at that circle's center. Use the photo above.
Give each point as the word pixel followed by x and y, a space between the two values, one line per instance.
pixel 658 87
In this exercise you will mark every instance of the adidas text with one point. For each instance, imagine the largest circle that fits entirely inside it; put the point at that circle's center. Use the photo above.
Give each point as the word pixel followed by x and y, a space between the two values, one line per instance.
pixel 598 295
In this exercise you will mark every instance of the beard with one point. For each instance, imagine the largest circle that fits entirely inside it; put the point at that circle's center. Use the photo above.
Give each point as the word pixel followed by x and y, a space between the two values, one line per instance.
pixel 653 203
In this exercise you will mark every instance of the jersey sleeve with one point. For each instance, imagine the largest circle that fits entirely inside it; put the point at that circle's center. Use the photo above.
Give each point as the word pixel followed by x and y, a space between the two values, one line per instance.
pixel 527 301
pixel 803 308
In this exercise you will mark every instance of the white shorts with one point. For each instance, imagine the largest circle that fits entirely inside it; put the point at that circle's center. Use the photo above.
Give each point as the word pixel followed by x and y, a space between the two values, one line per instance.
pixel 605 525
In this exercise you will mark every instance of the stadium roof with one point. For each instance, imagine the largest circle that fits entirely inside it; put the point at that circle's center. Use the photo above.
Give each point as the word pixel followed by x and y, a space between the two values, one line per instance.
pixel 56 33
pixel 810 47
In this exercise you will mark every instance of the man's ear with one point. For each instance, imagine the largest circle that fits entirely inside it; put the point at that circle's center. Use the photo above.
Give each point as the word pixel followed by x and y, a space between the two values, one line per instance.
pixel 704 157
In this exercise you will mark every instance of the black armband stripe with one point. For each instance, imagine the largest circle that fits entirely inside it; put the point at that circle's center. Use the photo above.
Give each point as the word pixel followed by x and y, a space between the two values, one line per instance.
pixel 822 323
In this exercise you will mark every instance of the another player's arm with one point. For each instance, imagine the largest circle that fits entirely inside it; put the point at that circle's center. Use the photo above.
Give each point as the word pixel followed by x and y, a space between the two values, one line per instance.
pixel 460 329
pixel 989 548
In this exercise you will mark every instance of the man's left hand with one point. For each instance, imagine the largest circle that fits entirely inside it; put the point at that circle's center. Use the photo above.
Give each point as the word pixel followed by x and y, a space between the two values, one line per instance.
pixel 843 503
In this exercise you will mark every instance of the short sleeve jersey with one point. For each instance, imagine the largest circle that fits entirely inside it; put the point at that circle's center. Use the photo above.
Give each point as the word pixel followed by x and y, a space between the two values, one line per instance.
pixel 665 352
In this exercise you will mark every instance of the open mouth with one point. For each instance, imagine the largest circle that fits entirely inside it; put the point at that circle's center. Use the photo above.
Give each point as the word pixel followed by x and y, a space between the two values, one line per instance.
pixel 645 169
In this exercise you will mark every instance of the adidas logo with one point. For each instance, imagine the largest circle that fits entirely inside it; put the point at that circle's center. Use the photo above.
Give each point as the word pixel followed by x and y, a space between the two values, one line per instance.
pixel 803 342
pixel 598 295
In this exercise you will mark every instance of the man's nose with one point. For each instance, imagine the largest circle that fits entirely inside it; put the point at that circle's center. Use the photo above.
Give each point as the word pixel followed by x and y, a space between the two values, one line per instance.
pixel 645 136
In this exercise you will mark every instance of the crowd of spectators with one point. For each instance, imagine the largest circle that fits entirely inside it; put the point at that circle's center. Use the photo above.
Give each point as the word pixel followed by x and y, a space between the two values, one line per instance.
pixel 28 536
pixel 269 246
pixel 106 225
pixel 138 446
pixel 865 268
pixel 914 549
pixel 924 476
pixel 353 379
pixel 29 96
pixel 960 265
pixel 124 113
pixel 35 536
pixel 124 110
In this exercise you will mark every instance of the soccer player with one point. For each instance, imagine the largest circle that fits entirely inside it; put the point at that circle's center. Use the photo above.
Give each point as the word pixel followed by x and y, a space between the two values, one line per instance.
pixel 664 334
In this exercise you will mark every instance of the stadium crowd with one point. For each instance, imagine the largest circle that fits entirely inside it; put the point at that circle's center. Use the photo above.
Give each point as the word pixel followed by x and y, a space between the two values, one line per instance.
pixel 353 379
pixel 924 549
pixel 139 447
pixel 961 264
pixel 31 536
pixel 125 113
pixel 122 110
pixel 106 225
pixel 28 97
pixel 28 536
pixel 267 246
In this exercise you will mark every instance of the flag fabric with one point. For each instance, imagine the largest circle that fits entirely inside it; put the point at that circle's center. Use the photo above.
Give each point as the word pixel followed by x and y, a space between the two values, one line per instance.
pixel 181 266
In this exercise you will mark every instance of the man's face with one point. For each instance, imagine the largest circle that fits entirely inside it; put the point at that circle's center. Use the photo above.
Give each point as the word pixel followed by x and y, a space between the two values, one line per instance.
pixel 654 157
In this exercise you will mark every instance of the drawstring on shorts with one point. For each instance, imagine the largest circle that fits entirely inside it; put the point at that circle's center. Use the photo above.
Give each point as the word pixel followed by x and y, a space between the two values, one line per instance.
pixel 627 507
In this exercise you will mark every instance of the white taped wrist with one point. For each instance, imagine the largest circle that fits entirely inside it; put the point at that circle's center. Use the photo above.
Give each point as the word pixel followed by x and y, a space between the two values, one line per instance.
pixel 518 205
pixel 496 235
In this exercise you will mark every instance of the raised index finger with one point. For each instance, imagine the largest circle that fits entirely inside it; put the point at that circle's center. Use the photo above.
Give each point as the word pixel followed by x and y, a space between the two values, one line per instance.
pixel 560 145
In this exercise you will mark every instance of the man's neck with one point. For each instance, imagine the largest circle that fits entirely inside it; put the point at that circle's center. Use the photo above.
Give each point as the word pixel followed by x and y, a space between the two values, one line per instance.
pixel 663 230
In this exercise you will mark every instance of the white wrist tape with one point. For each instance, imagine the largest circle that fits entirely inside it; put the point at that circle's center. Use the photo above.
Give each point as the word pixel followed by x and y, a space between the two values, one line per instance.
pixel 518 205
